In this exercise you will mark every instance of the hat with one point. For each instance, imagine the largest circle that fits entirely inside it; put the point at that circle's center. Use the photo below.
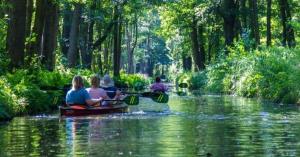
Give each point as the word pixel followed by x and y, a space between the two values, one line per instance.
pixel 107 81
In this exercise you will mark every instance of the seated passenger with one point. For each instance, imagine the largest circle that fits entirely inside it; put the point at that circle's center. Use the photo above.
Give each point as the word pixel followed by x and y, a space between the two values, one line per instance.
pixel 78 95
pixel 95 92
pixel 158 86
pixel 108 85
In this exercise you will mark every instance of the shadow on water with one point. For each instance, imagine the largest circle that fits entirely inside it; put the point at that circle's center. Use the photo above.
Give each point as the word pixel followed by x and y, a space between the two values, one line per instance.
pixel 209 125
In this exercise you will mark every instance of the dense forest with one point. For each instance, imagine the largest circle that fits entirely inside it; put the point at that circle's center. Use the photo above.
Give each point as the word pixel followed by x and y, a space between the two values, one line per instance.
pixel 244 47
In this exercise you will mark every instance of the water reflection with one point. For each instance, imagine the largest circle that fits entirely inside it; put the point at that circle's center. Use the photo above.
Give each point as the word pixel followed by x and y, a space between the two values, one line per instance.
pixel 192 126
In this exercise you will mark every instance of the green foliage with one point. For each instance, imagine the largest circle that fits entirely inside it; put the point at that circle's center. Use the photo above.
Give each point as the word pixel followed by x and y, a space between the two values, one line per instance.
pixel 35 100
pixel 269 73
pixel 20 92
pixel 184 78
pixel 134 81
pixel 27 86
pixel 198 80
pixel 194 80
pixel 10 103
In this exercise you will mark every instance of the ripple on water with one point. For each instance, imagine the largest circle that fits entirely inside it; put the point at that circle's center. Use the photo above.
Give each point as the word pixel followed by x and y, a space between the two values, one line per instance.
pixel 191 126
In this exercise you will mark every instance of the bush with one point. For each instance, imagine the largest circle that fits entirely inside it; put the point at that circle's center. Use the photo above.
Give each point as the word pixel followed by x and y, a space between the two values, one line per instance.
pixel 10 104
pixel 134 81
pixel 269 73
pixel 21 94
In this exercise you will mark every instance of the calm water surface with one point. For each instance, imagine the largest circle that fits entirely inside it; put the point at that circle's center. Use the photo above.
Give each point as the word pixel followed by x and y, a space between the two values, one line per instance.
pixel 190 126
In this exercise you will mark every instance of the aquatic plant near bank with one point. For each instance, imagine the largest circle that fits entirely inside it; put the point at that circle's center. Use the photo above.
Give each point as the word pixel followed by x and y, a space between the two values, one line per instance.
pixel 268 73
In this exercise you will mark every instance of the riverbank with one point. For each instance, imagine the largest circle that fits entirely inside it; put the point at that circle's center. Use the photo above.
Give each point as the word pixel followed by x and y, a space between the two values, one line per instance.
pixel 268 73
pixel 22 92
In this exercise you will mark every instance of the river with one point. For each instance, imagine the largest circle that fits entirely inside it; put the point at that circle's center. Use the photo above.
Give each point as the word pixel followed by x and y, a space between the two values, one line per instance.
pixel 208 125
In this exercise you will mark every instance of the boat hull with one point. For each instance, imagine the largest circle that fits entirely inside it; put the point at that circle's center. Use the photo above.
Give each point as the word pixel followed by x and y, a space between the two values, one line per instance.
pixel 80 110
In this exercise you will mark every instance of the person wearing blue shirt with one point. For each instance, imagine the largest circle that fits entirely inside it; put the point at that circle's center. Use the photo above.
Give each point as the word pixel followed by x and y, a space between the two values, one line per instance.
pixel 78 95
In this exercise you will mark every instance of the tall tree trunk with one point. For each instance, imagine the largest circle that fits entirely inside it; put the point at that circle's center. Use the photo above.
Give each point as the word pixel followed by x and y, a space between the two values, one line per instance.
pixel 243 13
pixel 229 17
pixel 150 67
pixel 214 43
pixel 90 43
pixel 35 47
pixel 67 20
pixel 73 49
pixel 254 34
pixel 211 43
pixel 201 46
pixel 187 63
pixel 283 21
pixel 197 56
pixel 29 12
pixel 238 24
pixel 131 44
pixel 16 32
pixel 269 14
pixel 287 30
pixel 288 36
pixel 111 53
pixel 99 56
pixel 100 63
pixel 117 44
pixel 105 56
pixel 90 37
pixel 147 63
pixel 39 24
pixel 50 35
pixel 128 45
pixel 83 44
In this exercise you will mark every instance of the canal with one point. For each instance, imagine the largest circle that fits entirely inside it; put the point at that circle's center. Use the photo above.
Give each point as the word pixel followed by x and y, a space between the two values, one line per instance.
pixel 208 125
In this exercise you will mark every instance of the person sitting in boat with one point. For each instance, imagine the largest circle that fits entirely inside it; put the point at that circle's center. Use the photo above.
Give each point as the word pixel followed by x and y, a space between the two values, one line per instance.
pixel 95 91
pixel 111 91
pixel 158 86
pixel 78 95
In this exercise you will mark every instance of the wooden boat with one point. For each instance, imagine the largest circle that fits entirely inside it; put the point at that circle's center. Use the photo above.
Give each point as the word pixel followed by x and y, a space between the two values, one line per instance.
pixel 81 110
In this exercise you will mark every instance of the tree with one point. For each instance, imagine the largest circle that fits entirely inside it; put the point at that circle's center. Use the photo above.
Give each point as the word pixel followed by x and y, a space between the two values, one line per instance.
pixel 29 11
pixel 187 18
pixel 131 43
pixel 243 14
pixel 117 42
pixel 50 35
pixel 269 13
pixel 16 32
pixel 198 49
pixel 90 35
pixel 254 26
pixel 34 47
pixel 66 29
pixel 228 12
pixel 73 40
pixel 288 37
